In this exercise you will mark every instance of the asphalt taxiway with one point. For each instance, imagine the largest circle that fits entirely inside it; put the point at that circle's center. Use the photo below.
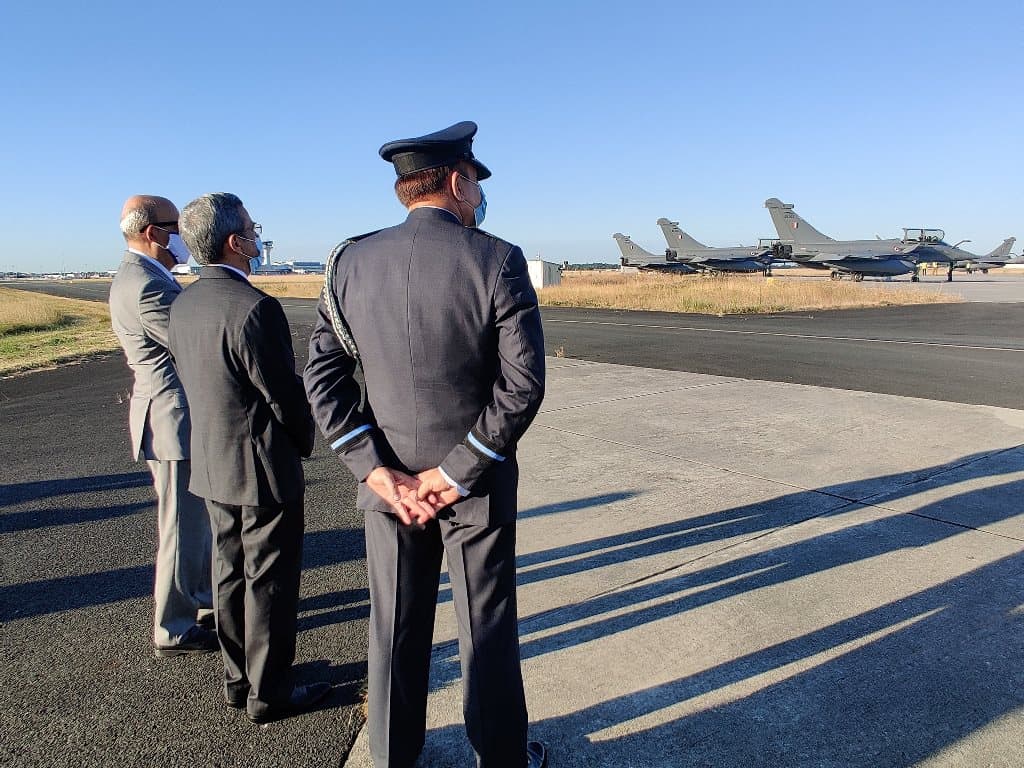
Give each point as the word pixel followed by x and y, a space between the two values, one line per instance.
pixel 969 352
pixel 79 685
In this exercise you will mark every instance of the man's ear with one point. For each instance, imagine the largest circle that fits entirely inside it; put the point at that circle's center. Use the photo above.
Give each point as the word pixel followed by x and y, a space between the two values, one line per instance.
pixel 231 246
pixel 453 185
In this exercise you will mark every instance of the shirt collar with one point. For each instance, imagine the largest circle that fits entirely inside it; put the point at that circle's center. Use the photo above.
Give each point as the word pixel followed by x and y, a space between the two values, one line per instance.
pixel 233 269
pixel 157 264
pixel 438 208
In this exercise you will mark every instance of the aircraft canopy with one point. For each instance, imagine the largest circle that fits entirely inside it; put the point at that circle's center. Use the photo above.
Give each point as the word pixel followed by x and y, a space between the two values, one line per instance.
pixel 917 235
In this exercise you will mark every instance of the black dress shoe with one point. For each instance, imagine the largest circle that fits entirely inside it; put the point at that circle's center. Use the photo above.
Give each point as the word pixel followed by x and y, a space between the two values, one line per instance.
pixel 196 641
pixel 536 755
pixel 236 696
pixel 302 699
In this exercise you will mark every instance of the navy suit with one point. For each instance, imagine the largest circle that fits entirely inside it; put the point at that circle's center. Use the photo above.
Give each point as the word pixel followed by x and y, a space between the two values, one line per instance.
pixel 450 339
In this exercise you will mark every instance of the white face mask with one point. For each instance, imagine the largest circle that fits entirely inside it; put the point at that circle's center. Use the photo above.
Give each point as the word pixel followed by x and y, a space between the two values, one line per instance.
pixel 176 247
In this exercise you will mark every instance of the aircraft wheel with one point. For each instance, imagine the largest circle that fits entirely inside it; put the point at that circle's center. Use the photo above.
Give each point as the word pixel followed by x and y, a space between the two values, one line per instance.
pixel 984 271
pixel 835 276
pixel 915 279
pixel 857 277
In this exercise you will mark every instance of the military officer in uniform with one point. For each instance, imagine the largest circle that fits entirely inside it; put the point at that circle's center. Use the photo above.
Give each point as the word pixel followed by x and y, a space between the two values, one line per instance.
pixel 443 320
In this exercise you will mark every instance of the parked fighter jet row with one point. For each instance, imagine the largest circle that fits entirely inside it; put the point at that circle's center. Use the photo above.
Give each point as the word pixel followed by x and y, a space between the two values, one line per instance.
pixel 798 242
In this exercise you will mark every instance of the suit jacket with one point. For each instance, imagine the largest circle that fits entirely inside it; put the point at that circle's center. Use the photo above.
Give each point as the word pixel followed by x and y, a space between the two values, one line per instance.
pixel 449 333
pixel 233 349
pixel 140 302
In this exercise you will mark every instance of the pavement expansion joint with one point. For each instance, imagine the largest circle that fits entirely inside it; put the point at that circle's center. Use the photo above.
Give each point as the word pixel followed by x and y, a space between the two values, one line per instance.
pixel 711 553
pixel 639 396
pixel 847 502
pixel 695 462
pixel 939 471
pixel 952 523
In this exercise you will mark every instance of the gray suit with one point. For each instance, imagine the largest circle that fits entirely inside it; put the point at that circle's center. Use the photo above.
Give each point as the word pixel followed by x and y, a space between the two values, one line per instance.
pixel 232 346
pixel 449 334
pixel 158 421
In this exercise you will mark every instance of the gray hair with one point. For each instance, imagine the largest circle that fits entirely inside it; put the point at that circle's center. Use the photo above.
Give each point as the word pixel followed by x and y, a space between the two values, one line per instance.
pixel 206 223
pixel 137 219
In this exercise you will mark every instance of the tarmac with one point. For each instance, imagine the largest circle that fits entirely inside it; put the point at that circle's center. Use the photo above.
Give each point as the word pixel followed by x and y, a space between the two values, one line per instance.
pixel 714 570
pixel 719 572
pixel 998 286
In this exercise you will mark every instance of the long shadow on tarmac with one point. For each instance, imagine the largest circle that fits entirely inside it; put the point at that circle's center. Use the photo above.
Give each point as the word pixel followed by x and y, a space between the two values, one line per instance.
pixel 19 493
pixel 910 684
pixel 46 518
pixel 916 675
pixel 334 546
pixel 782 564
pixel 889 686
pixel 38 598
pixel 743 521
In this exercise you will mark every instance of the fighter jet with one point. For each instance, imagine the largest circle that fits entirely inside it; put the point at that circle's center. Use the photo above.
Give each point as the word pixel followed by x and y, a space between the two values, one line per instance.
pixel 857 258
pixel 743 258
pixel 969 262
pixel 635 256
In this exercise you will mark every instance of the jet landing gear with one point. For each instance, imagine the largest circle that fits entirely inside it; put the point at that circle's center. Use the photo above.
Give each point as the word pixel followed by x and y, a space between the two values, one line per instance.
pixel 837 275
pixel 949 274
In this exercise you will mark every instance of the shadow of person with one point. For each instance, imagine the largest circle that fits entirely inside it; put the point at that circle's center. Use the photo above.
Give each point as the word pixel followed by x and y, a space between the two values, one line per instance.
pixel 19 493
pixel 891 685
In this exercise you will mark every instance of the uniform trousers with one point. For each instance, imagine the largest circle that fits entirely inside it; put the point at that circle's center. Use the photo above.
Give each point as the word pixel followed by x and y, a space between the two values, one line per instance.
pixel 404 565
pixel 256 574
pixel 181 589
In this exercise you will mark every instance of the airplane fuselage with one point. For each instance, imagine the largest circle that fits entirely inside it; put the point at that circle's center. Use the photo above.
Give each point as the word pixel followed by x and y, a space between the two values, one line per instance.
pixel 869 267
pixel 852 249
pixel 960 258
pixel 723 259
pixel 732 265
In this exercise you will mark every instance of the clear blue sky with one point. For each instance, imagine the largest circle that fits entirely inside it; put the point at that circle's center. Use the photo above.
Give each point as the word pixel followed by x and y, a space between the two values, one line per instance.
pixel 595 117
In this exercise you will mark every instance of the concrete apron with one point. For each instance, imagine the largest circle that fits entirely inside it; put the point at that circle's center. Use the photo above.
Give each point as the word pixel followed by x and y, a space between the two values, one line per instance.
pixel 720 572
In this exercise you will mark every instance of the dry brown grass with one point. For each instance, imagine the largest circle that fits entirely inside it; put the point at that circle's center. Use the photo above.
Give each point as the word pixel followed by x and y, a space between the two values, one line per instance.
pixel 725 295
pixel 38 331
pixel 290 286
pixel 282 286
pixel 21 312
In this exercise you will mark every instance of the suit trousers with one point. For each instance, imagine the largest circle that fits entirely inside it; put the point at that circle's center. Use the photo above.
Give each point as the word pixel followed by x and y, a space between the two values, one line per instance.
pixel 181 591
pixel 404 565
pixel 256 596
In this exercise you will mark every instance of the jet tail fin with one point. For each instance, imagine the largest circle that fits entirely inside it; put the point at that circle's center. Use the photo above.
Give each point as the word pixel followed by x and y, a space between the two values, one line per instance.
pixel 633 255
pixel 790 226
pixel 1003 251
pixel 676 238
